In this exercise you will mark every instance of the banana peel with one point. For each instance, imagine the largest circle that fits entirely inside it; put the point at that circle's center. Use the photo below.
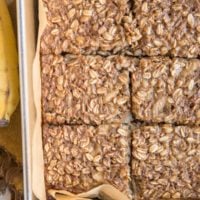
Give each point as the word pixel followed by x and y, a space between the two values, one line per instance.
pixel 11 175
pixel 10 137
pixel 9 78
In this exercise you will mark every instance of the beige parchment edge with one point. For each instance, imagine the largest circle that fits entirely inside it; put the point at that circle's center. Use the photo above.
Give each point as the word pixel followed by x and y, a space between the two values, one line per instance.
pixel 104 192
pixel 38 183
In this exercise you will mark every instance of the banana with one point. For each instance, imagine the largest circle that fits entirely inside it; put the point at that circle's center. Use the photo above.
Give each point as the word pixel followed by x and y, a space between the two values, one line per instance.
pixel 9 80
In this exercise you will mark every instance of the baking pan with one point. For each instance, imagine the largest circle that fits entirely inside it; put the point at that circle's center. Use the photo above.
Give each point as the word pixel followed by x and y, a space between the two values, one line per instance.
pixel 27 23
pixel 27 34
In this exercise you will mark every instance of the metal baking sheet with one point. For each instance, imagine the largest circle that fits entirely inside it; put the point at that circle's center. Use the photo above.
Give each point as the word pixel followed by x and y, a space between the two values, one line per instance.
pixel 27 20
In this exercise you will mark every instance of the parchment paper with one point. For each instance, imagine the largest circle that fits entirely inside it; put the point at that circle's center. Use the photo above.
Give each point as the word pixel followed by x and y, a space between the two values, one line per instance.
pixel 105 192
pixel 38 182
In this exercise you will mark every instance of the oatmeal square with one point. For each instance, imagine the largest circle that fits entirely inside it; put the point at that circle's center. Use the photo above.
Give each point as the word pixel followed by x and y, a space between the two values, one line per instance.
pixel 88 27
pixel 86 89
pixel 167 90
pixel 166 162
pixel 79 158
pixel 168 27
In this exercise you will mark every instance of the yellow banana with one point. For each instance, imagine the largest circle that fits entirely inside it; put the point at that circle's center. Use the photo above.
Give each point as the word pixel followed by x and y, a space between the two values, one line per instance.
pixel 9 81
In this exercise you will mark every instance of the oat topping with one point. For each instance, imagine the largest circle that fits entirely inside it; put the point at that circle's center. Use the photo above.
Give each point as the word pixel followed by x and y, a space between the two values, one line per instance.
pixel 168 27
pixel 166 162
pixel 88 27
pixel 167 90
pixel 85 89
pixel 78 158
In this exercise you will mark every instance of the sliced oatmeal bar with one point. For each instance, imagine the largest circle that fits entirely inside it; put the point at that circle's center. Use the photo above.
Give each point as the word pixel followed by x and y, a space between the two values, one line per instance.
pixel 166 162
pixel 167 90
pixel 85 89
pixel 79 158
pixel 168 27
pixel 88 27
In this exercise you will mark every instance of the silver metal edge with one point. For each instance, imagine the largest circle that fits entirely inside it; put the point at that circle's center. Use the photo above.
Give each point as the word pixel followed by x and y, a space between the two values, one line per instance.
pixel 23 65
